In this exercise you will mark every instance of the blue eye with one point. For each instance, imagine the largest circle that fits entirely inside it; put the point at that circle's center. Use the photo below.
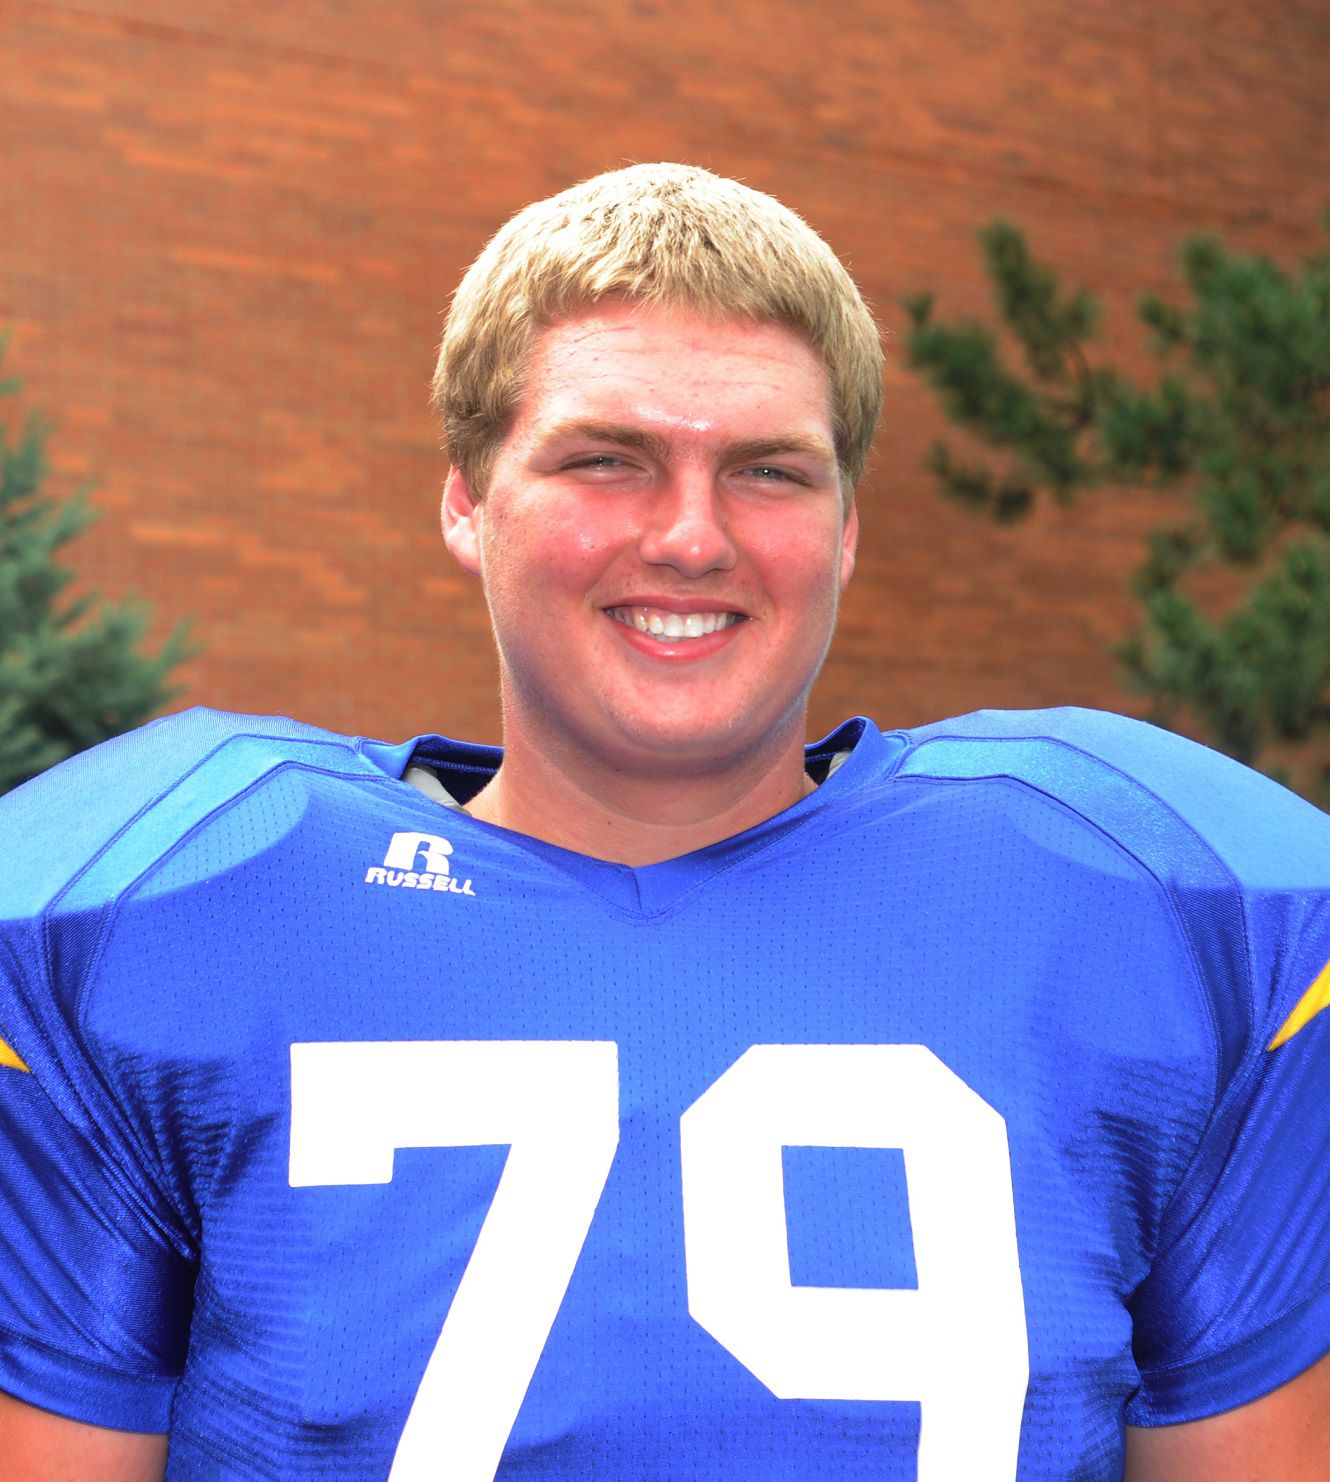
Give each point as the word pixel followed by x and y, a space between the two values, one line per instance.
pixel 597 460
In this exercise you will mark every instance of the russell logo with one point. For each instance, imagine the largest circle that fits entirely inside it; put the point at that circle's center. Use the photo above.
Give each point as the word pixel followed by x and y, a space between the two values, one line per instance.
pixel 418 862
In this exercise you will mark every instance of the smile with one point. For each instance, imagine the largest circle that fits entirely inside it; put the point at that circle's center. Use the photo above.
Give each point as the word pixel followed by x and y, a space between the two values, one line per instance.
pixel 671 627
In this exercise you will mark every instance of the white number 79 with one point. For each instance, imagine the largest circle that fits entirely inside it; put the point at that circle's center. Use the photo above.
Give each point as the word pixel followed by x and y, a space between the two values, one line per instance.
pixel 957 1343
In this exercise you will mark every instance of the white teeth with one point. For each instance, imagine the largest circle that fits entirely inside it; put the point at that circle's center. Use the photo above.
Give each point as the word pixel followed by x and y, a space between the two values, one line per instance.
pixel 670 627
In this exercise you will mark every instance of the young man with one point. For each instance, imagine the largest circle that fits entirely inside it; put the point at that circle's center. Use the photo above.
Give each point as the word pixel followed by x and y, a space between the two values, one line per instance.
pixel 670 1101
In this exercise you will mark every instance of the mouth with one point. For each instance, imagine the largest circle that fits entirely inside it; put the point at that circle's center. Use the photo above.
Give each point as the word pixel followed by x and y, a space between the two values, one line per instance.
pixel 673 627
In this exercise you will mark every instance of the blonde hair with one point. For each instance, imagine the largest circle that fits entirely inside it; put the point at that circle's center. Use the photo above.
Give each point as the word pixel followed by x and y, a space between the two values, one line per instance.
pixel 663 234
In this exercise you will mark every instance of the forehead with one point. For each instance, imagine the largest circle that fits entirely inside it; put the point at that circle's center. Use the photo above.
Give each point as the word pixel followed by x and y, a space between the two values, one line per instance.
pixel 674 366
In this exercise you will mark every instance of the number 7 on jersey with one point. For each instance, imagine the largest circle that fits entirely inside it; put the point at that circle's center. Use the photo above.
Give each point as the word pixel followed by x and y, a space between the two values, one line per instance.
pixel 557 1104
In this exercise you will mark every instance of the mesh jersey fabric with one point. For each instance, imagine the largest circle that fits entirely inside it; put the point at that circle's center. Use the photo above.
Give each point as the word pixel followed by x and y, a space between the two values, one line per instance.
pixel 995 999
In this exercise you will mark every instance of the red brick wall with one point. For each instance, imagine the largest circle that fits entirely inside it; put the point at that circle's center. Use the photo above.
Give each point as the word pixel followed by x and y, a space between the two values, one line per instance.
pixel 227 231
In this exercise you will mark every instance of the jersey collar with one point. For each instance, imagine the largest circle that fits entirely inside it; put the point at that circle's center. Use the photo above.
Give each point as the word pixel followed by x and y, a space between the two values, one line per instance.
pixel 463 770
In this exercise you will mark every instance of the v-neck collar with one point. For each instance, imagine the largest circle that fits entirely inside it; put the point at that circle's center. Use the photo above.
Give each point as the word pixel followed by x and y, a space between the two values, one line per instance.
pixel 647 890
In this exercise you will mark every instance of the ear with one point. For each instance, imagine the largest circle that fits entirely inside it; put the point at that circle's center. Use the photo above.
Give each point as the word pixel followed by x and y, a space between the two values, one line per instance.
pixel 849 544
pixel 461 518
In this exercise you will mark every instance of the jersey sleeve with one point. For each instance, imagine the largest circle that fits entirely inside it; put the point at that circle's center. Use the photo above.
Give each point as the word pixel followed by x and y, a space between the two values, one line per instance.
pixel 94 1306
pixel 98 1255
pixel 1236 1300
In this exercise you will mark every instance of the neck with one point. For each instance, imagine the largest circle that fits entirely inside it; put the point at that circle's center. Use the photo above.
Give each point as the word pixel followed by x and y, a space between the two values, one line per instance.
pixel 637 819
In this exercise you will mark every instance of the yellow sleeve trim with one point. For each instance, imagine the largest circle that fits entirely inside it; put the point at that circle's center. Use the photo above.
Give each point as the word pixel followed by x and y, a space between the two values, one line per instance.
pixel 9 1056
pixel 1316 998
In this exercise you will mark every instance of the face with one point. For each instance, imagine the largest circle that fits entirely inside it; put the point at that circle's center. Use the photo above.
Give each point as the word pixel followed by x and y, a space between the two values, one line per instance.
pixel 663 542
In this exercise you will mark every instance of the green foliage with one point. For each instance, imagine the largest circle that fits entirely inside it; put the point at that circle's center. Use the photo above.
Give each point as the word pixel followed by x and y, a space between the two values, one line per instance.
pixel 1237 422
pixel 1040 422
pixel 72 672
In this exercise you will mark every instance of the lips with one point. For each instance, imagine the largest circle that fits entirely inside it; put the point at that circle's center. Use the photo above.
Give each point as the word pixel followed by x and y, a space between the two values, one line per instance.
pixel 673 627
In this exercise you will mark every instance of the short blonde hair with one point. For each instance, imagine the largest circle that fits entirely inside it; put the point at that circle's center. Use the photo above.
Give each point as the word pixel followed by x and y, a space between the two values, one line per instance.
pixel 663 234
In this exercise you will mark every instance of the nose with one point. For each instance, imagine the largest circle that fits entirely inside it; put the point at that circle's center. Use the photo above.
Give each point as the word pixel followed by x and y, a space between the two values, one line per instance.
pixel 687 528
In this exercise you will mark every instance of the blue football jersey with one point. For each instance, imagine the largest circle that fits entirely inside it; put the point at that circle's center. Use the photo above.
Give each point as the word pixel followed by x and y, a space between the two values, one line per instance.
pixel 926 1132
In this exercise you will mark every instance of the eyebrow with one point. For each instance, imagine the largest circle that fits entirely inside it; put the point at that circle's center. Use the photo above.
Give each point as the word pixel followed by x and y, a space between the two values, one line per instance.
pixel 745 451
pixel 753 450
pixel 619 433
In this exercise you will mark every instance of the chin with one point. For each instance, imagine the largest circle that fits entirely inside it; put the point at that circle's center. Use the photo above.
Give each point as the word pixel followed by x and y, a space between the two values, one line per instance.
pixel 687 741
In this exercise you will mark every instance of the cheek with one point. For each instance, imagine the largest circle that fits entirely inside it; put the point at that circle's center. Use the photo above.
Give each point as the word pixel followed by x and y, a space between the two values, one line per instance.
pixel 798 564
pixel 528 550
pixel 584 542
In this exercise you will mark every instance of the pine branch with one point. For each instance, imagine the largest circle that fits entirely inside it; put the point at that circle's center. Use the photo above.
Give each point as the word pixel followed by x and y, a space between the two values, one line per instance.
pixel 1238 421
pixel 73 671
